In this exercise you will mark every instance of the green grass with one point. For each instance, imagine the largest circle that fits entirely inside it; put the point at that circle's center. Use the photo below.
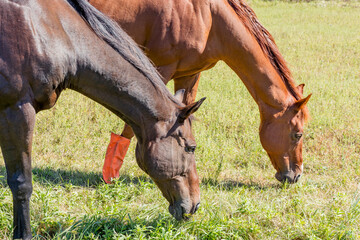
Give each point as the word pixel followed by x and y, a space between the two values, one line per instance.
pixel 241 199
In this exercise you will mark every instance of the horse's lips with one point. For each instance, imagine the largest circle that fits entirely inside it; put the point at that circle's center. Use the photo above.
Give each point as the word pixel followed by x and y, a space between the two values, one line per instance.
pixel 180 213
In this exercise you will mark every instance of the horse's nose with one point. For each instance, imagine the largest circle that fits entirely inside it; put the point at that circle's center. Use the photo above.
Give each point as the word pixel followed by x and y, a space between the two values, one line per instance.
pixel 289 177
pixel 196 207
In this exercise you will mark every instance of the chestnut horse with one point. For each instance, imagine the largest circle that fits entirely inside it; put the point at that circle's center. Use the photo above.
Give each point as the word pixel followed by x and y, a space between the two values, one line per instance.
pixel 184 38
pixel 48 46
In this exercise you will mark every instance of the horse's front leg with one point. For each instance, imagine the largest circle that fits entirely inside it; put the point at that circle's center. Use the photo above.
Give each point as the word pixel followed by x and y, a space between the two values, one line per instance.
pixel 16 130
pixel 190 84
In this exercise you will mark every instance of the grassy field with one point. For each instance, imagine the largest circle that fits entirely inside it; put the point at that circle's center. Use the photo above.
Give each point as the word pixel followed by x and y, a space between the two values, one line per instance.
pixel 241 199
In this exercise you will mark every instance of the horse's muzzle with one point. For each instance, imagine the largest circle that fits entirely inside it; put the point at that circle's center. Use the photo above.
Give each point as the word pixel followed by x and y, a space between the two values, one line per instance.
pixel 289 177
pixel 180 212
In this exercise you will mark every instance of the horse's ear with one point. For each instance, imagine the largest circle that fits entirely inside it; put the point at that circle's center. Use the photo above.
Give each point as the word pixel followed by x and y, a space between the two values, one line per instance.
pixel 300 88
pixel 300 104
pixel 179 95
pixel 185 112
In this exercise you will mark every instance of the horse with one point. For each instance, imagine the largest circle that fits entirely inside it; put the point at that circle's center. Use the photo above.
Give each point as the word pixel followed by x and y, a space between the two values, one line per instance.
pixel 184 38
pixel 49 46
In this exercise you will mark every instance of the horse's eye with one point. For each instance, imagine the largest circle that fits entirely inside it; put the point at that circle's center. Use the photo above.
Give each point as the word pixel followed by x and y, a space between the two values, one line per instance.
pixel 190 149
pixel 297 136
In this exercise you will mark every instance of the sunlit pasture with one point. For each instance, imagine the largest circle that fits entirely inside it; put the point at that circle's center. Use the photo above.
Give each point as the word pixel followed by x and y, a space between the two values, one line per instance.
pixel 240 197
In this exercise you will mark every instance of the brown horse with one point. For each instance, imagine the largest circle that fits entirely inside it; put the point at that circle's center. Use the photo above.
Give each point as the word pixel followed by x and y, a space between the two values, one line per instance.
pixel 48 46
pixel 184 38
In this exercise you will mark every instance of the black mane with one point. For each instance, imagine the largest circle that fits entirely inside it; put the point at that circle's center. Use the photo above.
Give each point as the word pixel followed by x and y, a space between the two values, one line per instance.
pixel 121 42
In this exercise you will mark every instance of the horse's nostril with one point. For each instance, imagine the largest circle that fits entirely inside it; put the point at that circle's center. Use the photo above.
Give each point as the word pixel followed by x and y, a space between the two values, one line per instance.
pixel 297 177
pixel 196 207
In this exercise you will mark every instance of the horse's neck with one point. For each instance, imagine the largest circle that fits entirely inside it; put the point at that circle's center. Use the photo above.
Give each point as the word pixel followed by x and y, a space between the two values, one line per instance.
pixel 263 82
pixel 104 76
pixel 119 87
pixel 241 51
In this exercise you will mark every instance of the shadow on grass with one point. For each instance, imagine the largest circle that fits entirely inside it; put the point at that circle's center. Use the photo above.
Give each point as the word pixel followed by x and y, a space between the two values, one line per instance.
pixel 230 185
pixel 49 176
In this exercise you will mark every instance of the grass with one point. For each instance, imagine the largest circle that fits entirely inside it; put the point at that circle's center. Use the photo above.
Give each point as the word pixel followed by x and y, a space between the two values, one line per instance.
pixel 240 197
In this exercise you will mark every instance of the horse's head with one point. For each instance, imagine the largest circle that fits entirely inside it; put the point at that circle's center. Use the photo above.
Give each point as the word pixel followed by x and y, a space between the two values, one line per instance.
pixel 281 136
pixel 170 161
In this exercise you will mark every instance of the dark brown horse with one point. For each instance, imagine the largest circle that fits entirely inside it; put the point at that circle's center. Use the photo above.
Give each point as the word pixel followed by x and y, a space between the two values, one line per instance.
pixel 48 46
pixel 184 38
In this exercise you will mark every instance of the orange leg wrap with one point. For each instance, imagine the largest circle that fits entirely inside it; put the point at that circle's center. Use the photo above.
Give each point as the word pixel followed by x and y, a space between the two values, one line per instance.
pixel 114 157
